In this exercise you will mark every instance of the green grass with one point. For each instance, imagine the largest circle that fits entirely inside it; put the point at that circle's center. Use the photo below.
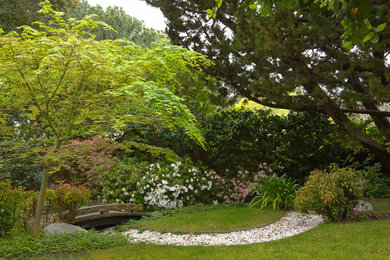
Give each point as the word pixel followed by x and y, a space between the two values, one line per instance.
pixel 358 240
pixel 380 204
pixel 218 218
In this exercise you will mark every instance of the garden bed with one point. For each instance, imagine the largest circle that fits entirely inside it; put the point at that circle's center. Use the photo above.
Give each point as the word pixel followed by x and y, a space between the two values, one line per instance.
pixel 381 211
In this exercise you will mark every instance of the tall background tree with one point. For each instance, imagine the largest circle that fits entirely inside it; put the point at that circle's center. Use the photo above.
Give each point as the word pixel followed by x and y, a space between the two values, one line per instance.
pixel 125 26
pixel 292 60
pixel 24 12
pixel 14 13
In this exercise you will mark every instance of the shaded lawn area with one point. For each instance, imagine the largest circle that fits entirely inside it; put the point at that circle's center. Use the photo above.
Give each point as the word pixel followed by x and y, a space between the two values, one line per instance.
pixel 380 204
pixel 218 219
pixel 358 240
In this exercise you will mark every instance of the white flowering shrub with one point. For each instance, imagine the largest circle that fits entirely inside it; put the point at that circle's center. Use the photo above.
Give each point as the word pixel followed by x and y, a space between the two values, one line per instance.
pixel 161 185
pixel 120 184
pixel 177 185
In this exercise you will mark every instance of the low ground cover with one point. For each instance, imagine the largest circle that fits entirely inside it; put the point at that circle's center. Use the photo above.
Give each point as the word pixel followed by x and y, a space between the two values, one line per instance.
pixel 23 244
pixel 211 218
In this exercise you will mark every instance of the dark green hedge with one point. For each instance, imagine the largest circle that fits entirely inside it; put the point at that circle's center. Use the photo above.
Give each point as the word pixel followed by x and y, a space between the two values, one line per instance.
pixel 239 139
pixel 295 144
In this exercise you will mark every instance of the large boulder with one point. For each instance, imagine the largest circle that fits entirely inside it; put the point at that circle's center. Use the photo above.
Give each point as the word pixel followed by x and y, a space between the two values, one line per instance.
pixel 363 206
pixel 62 228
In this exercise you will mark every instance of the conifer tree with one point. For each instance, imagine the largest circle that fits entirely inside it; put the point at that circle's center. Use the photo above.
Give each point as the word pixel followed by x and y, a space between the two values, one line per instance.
pixel 293 60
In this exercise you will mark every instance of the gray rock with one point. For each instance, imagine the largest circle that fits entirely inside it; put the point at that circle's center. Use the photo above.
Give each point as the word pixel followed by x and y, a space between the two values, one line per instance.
pixel 108 230
pixel 364 206
pixel 62 228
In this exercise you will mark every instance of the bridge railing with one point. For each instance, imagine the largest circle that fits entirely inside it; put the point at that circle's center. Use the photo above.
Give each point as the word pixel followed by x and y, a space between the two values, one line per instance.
pixel 102 209
pixel 108 211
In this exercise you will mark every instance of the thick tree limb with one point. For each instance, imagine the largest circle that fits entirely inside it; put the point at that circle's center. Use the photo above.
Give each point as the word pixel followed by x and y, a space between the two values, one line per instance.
pixel 366 111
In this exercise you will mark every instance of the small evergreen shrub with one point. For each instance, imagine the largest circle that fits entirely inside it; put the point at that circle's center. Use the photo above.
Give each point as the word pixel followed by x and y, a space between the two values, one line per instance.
pixel 278 192
pixel 378 185
pixel 333 194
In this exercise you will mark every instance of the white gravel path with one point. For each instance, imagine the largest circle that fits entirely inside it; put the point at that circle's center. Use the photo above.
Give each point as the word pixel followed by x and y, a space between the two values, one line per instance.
pixel 289 225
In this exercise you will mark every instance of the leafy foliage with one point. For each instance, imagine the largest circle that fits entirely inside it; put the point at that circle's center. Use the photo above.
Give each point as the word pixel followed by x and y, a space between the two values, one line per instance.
pixel 64 199
pixel 274 191
pixel 84 70
pixel 19 165
pixel 294 145
pixel 239 140
pixel 378 185
pixel 10 201
pixel 120 183
pixel 332 194
pixel 354 15
pixel 15 206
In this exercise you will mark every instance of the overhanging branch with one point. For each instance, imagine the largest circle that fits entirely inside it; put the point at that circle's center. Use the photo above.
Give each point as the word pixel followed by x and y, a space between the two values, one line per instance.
pixel 367 111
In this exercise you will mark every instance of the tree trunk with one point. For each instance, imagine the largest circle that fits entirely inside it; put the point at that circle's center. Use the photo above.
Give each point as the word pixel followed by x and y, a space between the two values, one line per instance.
pixel 335 112
pixel 380 121
pixel 41 200
pixel 379 150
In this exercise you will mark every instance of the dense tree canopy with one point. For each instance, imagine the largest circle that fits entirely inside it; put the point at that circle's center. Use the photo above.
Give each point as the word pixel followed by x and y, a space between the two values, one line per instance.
pixel 292 60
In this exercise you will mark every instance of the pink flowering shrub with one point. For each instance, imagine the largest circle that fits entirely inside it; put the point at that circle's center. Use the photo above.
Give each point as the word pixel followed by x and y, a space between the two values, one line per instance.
pixel 239 187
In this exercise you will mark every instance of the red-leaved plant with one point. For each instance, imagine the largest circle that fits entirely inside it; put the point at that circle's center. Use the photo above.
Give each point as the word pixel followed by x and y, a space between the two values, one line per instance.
pixel 81 162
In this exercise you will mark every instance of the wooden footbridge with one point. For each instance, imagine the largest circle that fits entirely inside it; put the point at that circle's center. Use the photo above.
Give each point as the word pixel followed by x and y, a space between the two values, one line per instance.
pixel 107 214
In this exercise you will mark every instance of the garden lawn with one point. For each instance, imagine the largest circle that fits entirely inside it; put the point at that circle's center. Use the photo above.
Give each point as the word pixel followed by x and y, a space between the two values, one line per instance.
pixel 358 240
pixel 380 204
pixel 217 219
